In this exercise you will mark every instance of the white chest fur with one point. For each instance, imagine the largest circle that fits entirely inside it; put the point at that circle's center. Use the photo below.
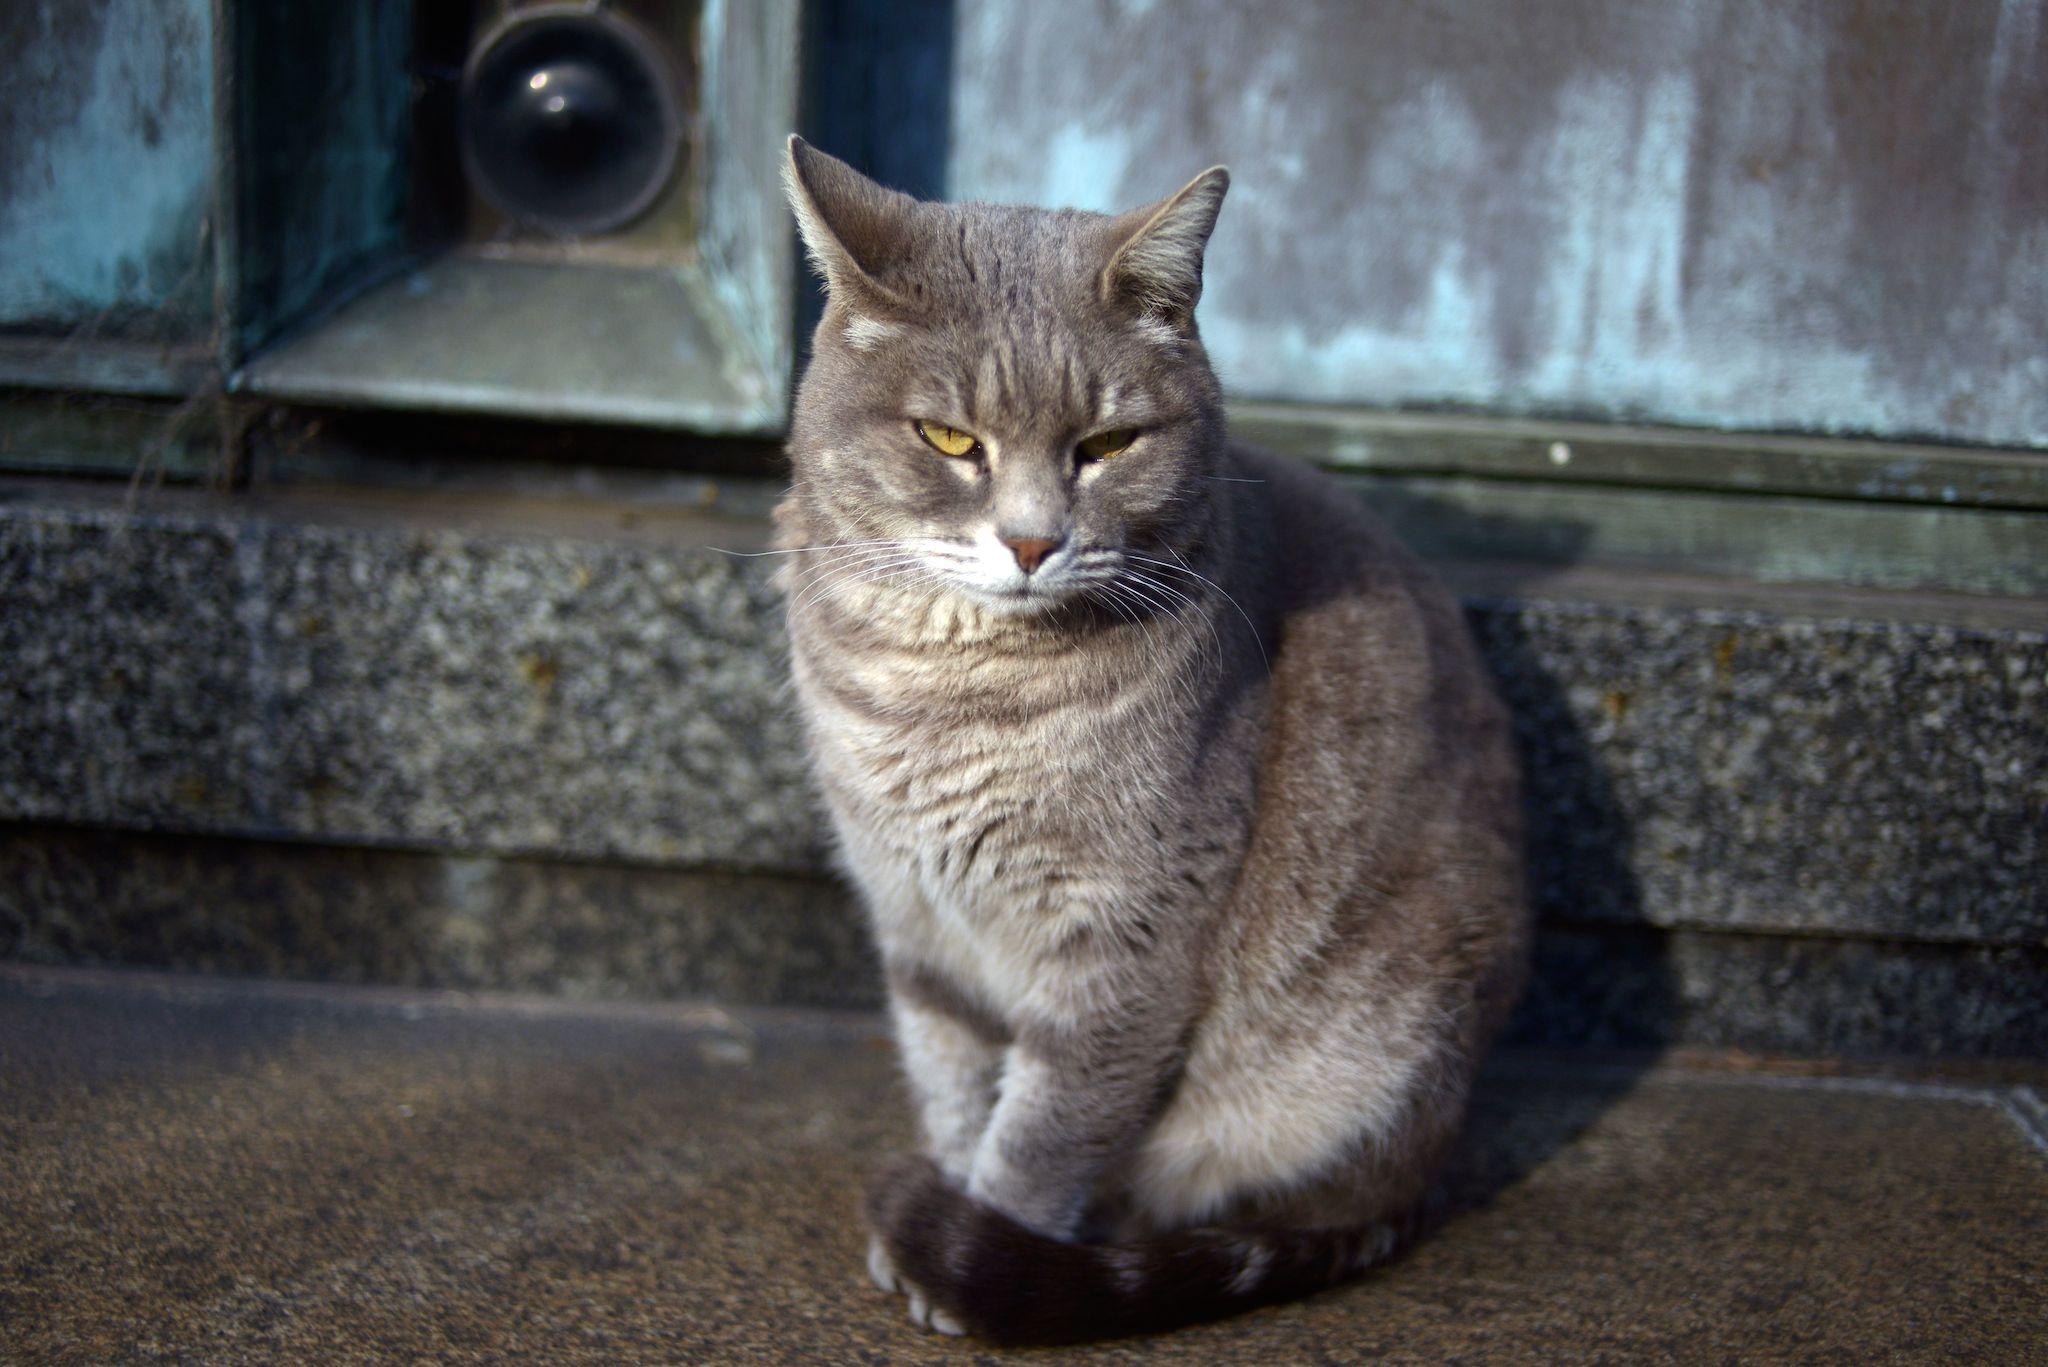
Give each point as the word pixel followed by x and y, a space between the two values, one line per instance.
pixel 981 839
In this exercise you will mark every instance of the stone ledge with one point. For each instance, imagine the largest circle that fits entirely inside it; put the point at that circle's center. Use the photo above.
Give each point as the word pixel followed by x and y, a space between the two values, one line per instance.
pixel 70 896
pixel 496 686
pixel 352 915
pixel 590 681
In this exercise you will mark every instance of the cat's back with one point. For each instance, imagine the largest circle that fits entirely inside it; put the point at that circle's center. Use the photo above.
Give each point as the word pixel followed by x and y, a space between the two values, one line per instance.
pixel 1336 583
pixel 1388 759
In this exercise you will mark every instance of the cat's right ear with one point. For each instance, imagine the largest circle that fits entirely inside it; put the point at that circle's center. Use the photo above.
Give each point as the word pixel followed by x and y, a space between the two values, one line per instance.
pixel 853 230
pixel 1156 264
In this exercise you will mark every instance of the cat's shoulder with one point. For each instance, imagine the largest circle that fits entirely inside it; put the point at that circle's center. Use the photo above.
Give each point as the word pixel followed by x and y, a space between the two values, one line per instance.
pixel 1329 565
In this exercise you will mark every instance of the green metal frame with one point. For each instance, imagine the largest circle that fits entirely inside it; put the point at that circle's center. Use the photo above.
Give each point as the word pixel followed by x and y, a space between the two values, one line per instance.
pixel 285 361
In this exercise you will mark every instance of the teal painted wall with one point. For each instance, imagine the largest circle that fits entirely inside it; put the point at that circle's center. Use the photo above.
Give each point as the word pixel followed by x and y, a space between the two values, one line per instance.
pixel 1728 213
pixel 106 168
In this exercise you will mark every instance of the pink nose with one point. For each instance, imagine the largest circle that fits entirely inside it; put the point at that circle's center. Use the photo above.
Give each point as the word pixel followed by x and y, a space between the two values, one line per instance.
pixel 1030 551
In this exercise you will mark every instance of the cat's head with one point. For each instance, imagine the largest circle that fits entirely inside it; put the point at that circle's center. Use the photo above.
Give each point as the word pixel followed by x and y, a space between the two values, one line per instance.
pixel 1002 402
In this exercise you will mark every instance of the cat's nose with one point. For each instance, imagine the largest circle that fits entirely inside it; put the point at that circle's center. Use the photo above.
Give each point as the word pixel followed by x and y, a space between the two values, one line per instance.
pixel 1030 551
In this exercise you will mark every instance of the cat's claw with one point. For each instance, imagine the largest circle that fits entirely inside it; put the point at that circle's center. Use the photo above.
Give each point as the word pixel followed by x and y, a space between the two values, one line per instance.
pixel 925 1315
pixel 881 1270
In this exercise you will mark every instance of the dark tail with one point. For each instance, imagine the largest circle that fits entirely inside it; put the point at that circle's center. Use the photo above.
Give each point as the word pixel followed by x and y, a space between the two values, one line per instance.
pixel 1009 1284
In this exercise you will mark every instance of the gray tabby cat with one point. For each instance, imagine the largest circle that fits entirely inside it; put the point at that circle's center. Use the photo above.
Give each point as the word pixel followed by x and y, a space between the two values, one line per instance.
pixel 1184 813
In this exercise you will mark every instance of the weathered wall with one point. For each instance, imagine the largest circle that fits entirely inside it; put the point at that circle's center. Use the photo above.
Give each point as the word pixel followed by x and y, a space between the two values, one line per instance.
pixel 323 104
pixel 106 167
pixel 1734 213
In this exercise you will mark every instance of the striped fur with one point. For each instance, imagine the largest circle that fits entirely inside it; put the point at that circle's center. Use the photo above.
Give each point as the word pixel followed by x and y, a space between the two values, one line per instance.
pixel 1192 850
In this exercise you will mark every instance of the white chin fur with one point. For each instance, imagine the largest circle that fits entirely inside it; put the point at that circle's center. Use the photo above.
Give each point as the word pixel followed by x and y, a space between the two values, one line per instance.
pixel 1008 602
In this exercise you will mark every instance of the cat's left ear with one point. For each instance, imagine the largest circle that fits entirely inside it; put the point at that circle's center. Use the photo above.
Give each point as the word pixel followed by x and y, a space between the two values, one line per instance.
pixel 853 230
pixel 1156 263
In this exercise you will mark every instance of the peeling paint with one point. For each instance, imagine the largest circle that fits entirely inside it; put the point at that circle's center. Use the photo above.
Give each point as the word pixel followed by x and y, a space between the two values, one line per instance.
pixel 106 145
pixel 1726 213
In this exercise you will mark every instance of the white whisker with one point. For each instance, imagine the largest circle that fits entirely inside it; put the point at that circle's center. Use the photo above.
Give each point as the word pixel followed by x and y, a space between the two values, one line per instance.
pixel 800 550
pixel 854 559
pixel 870 572
pixel 1184 568
pixel 1179 600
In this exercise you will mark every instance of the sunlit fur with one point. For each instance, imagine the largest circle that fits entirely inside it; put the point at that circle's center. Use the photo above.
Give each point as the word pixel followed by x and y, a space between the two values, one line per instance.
pixel 1193 855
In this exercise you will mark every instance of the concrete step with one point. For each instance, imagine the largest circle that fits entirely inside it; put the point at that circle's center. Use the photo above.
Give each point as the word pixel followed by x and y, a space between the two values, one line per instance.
pixel 225 1171
pixel 596 681
pixel 1779 816
pixel 608 930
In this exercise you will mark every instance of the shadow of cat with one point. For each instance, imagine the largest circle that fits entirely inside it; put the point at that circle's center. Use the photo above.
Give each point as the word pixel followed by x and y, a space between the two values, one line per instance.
pixel 1600 983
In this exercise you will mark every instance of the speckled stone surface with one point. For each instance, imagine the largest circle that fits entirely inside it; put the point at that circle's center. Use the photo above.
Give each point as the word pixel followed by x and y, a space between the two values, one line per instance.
pixel 198 1171
pixel 1640 987
pixel 124 657
pixel 496 684
pixel 83 896
pixel 486 680
pixel 1740 769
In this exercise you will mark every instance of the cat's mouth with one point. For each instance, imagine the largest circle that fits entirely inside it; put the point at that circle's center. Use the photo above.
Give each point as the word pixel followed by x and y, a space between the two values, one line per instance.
pixel 1016 598
pixel 1024 590
pixel 990 573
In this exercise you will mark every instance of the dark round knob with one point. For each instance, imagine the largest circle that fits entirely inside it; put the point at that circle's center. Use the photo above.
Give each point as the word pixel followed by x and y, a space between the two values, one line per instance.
pixel 569 120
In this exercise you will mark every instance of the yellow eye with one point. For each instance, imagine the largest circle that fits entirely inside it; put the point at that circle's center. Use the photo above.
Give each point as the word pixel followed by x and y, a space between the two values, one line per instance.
pixel 1103 445
pixel 948 441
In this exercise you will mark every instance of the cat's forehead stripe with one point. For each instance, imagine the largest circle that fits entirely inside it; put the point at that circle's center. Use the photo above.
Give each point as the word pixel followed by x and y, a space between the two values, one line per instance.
pixel 1027 373
pixel 1010 376
pixel 985 391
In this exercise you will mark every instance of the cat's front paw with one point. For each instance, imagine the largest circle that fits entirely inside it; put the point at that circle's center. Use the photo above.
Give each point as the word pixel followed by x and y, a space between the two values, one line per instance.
pixel 882 1271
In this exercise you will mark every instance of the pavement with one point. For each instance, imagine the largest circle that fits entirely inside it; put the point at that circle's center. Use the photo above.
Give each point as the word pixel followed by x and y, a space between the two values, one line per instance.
pixel 219 1170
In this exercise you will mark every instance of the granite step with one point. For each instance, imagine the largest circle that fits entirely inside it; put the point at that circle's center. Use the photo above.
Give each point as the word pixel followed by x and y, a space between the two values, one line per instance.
pixel 203 1169
pixel 478 739
pixel 598 681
